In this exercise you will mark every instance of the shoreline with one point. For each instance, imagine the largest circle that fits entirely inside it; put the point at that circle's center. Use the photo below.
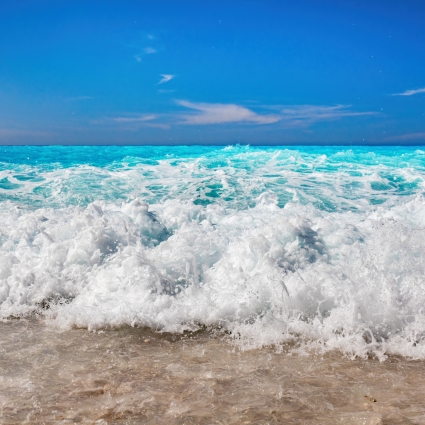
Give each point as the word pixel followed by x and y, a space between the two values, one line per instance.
pixel 134 375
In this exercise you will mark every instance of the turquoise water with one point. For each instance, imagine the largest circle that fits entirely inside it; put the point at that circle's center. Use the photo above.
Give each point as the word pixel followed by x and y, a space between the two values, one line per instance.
pixel 325 245
pixel 331 178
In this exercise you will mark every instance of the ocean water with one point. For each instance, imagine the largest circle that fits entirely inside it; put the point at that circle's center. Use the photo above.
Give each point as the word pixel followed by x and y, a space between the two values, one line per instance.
pixel 321 248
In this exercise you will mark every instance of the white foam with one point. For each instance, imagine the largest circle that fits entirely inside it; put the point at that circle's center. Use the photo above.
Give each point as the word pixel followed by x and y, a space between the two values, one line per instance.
pixel 345 280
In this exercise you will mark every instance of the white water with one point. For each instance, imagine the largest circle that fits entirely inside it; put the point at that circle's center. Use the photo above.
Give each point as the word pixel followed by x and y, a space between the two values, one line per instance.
pixel 347 280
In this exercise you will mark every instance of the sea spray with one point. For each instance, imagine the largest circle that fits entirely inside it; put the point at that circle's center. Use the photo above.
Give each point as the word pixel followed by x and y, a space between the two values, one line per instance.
pixel 271 246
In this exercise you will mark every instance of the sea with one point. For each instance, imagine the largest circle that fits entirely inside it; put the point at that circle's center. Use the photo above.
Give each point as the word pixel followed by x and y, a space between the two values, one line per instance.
pixel 210 284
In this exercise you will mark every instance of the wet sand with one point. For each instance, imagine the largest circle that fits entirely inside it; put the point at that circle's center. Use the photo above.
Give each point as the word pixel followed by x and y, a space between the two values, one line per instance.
pixel 136 376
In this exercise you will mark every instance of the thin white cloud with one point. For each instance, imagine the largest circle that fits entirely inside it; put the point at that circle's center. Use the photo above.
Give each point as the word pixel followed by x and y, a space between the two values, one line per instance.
pixel 145 51
pixel 217 113
pixel 304 115
pixel 80 98
pixel 293 116
pixel 166 78
pixel 410 92
pixel 135 122
pixel 297 116
pixel 150 50
pixel 136 119
pixel 166 91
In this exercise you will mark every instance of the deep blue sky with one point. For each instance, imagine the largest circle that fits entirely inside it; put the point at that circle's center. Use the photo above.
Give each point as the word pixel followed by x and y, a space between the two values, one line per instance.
pixel 216 72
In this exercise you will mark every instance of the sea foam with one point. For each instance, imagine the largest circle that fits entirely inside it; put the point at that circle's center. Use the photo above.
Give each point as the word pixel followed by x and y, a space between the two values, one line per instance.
pixel 270 246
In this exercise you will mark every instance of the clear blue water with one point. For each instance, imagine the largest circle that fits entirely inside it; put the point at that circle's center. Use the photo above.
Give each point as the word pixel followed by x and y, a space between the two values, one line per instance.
pixel 331 178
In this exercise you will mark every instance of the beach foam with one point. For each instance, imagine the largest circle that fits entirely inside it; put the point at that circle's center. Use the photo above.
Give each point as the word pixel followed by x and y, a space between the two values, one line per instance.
pixel 330 275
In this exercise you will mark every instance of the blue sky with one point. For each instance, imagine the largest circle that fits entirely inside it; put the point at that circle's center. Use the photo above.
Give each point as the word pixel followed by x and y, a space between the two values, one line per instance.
pixel 212 72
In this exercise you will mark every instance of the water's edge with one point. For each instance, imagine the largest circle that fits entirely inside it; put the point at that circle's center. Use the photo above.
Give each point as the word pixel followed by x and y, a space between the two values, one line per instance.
pixel 128 375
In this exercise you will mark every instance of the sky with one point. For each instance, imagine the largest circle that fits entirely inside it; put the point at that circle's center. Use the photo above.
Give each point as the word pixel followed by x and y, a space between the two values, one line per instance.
pixel 212 72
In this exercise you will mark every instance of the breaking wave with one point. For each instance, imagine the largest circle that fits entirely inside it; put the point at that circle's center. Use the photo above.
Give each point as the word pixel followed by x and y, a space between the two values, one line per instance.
pixel 268 245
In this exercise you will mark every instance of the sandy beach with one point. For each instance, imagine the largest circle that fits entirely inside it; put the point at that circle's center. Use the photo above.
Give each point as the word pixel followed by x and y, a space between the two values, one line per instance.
pixel 134 376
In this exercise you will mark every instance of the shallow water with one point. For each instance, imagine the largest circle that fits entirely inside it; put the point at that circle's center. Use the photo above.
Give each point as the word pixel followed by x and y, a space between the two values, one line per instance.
pixel 134 376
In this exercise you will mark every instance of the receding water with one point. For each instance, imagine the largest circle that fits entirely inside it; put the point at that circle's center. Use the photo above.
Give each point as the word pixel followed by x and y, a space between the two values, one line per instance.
pixel 136 376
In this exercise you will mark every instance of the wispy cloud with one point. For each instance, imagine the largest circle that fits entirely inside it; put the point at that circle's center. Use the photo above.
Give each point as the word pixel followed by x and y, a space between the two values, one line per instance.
pixel 410 92
pixel 303 115
pixel 77 98
pixel 134 122
pixel 216 113
pixel 145 51
pixel 136 119
pixel 166 91
pixel 150 50
pixel 298 115
pixel 166 78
